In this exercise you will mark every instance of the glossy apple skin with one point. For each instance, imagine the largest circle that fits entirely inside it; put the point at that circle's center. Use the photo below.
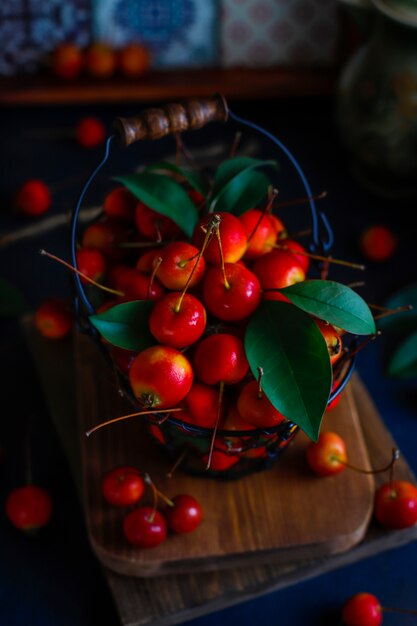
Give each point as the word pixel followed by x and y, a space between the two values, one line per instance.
pixel 324 456
pixel 232 235
pixel 33 198
pixel 54 319
pixel 362 609
pixel 202 403
pixel 220 358
pixel 299 252
pixel 333 340
pixel 160 377
pixel 378 243
pixel 154 225
pixel 260 231
pixel 185 516
pixel 236 300
pixel 145 528
pixel 122 486
pixel 178 328
pixel 29 508
pixel 396 504
pixel 178 262
pixel 91 263
pixel 119 203
pixel 256 410
pixel 276 270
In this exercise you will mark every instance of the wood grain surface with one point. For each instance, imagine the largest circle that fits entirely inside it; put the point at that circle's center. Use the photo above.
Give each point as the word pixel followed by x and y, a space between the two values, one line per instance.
pixel 242 83
pixel 285 513
pixel 173 599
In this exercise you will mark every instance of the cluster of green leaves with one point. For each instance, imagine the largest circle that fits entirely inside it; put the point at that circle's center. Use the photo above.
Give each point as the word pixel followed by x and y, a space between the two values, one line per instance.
pixel 236 187
pixel 281 338
pixel 403 328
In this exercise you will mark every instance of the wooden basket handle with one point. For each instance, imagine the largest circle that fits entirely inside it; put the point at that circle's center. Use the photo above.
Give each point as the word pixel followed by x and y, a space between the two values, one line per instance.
pixel 171 118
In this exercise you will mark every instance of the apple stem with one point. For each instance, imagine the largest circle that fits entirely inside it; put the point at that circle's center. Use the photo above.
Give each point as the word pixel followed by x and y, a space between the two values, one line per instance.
pixel 212 226
pixel 157 263
pixel 260 376
pixel 386 312
pixel 265 211
pixel 216 425
pixel 147 479
pixel 159 494
pixel 299 233
pixel 389 609
pixel 318 257
pixel 358 283
pixel 87 278
pixel 303 200
pixel 394 459
pixel 125 417
pixel 226 282
pixel 177 463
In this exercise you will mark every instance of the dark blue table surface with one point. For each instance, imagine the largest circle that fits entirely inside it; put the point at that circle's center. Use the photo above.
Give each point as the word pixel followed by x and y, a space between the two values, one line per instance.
pixel 53 578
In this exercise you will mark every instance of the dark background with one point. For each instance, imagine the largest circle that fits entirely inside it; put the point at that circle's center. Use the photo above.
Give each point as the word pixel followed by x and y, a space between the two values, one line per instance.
pixel 54 578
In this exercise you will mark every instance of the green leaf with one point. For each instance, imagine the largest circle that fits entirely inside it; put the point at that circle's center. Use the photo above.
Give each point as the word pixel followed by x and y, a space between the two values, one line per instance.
pixel 12 302
pixel 403 363
pixel 242 193
pixel 333 302
pixel 165 195
pixel 194 178
pixel 292 352
pixel 126 325
pixel 230 168
pixel 237 187
pixel 404 321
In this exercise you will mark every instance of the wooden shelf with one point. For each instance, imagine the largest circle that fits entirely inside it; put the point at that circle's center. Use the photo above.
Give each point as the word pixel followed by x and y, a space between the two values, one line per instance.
pixel 237 83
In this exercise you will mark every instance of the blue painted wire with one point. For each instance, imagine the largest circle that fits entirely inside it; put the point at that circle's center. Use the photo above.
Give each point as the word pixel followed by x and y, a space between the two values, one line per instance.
pixel 313 210
pixel 78 283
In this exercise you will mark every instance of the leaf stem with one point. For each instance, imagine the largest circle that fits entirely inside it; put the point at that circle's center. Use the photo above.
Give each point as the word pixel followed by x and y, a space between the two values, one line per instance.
pixel 394 459
pixel 87 278
pixel 125 417
pixel 216 425
pixel 318 257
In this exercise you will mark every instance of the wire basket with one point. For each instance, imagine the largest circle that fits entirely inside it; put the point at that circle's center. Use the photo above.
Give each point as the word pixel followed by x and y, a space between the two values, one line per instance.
pixel 230 453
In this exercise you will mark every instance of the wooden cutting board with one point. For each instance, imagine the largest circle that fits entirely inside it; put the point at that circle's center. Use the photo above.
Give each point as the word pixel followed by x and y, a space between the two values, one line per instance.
pixel 174 599
pixel 283 514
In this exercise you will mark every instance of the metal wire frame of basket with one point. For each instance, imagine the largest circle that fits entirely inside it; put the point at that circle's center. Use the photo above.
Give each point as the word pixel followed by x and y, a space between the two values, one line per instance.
pixel 234 453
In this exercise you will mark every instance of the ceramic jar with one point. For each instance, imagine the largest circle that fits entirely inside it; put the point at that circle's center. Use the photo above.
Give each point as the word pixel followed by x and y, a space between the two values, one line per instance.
pixel 376 108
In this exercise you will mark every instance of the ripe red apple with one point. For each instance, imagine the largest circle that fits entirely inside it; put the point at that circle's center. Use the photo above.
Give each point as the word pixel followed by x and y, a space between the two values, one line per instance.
pixel 177 327
pixel 234 299
pixel 325 456
pixel 232 235
pixel 100 60
pixel 33 198
pixel 134 60
pixel 396 504
pixel 220 358
pixel 362 609
pixel 256 409
pixel 120 203
pixel 276 270
pixel 160 377
pixel 67 61
pixel 260 231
